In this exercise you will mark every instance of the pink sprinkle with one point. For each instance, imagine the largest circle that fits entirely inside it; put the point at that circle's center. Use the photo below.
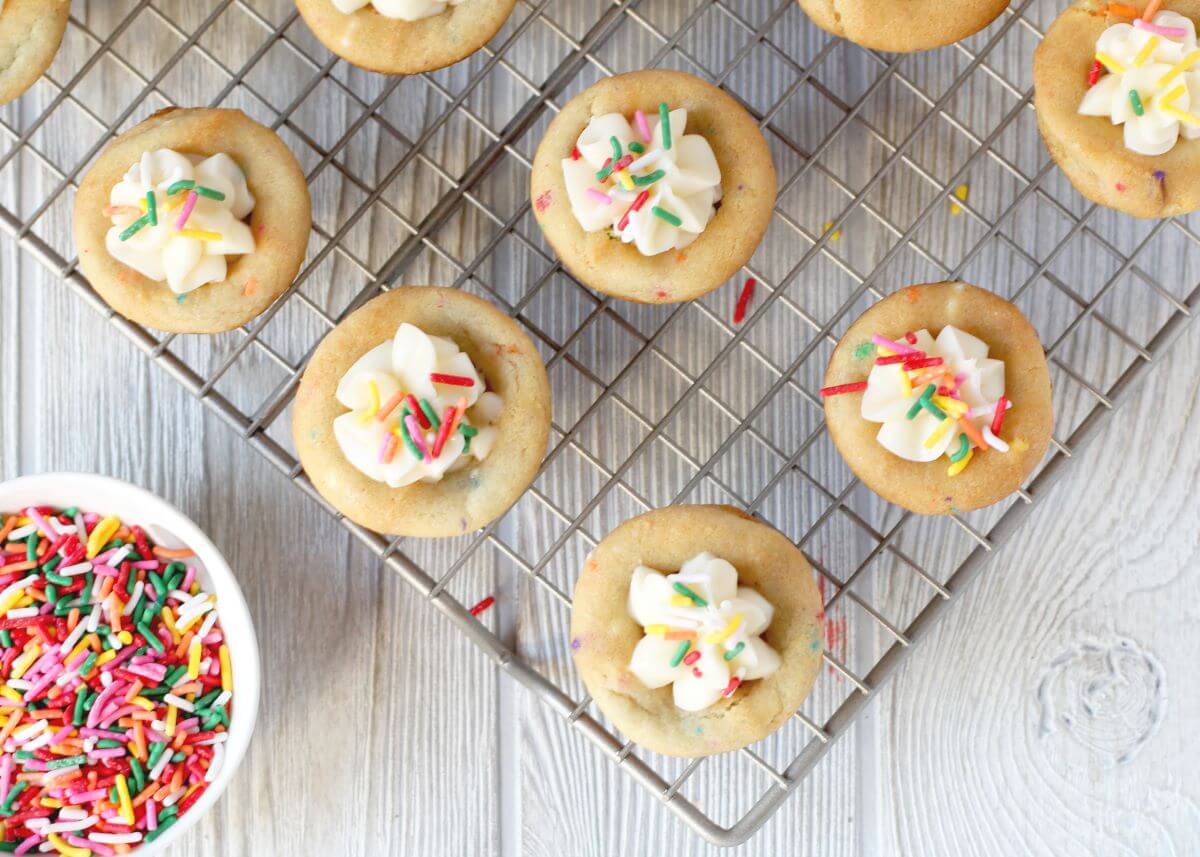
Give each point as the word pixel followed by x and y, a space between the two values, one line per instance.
pixel 642 125
pixel 42 523
pixel 86 797
pixel 151 815
pixel 414 431
pixel 599 196
pixel 109 753
pixel 189 578
pixel 186 212
pixel 892 346
pixel 96 847
pixel 1159 30
pixel 27 845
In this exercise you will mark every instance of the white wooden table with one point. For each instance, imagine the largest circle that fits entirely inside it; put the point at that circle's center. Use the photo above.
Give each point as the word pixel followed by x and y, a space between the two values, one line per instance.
pixel 1052 714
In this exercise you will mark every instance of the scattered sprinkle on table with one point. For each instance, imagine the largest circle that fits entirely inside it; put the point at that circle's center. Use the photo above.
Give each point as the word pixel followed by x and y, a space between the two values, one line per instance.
pixel 960 193
pixel 837 233
pixel 115 706
pixel 483 605
pixel 743 301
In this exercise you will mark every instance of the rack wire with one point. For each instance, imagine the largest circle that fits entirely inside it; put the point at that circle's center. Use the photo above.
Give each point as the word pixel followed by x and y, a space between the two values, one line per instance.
pixel 425 179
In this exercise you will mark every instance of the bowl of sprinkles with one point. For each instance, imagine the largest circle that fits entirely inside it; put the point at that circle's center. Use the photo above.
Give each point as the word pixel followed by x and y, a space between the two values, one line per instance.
pixel 129 674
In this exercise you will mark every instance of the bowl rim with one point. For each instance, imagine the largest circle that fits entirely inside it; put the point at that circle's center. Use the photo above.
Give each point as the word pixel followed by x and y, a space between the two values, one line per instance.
pixel 53 485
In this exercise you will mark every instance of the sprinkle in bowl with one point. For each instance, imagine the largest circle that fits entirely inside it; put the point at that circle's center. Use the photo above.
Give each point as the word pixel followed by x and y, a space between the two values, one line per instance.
pixel 108 685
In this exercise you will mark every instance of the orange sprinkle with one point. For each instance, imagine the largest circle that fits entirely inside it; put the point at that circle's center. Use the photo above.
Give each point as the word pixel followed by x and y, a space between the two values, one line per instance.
pixel 251 287
pixel 72 619
pixel 18 566
pixel 172 553
pixel 1121 10
pixel 970 431
pixel 139 741
pixel 184 642
pixel 106 587
pixel 180 737
pixel 45 713
pixel 9 524
pixel 134 690
pixel 1151 10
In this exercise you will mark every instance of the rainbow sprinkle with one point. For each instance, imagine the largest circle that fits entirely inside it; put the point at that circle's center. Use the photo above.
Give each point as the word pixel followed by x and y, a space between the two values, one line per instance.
pixel 664 122
pixel 106 639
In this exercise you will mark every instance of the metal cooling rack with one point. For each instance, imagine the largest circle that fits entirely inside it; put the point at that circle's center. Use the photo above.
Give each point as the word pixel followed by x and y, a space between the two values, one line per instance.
pixel 426 180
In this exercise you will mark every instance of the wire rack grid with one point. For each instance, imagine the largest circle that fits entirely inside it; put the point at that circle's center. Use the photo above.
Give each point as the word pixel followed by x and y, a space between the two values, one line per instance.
pixel 893 170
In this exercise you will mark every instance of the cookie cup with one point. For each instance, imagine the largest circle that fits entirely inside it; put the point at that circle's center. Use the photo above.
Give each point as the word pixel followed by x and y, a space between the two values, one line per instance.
pixel 902 27
pixel 280 221
pixel 1091 150
pixel 463 500
pixel 30 34
pixel 925 487
pixel 604 634
pixel 748 189
pixel 391 46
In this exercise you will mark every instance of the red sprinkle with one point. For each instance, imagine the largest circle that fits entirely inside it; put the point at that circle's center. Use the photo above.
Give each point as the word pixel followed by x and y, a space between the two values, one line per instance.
pixel 998 419
pixel 923 362
pixel 734 684
pixel 692 657
pixel 637 206
pixel 422 420
pixel 743 301
pixel 575 155
pixel 856 387
pixel 452 380
pixel 910 338
pixel 890 359
pixel 696 672
pixel 1094 75
pixel 483 605
pixel 439 442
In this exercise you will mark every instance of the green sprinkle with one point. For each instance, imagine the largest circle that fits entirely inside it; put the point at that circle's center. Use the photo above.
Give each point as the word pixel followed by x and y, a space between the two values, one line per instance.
pixel 408 441
pixel 86 595
pixel 52 564
pixel 77 717
pixel 664 122
pixel 209 192
pixel 643 181
pixel 134 227
pixel 139 773
pixel 51 593
pixel 864 350
pixel 933 409
pixel 616 146
pixel 735 651
pixel 663 214
pixel 6 805
pixel 963 446
pixel 23 754
pixel 186 184
pixel 87 663
pixel 31 544
pixel 680 652
pixel 108 744
pixel 113 797
pixel 156 750
pixel 178 757
pixel 152 207
pixel 1136 101
pixel 430 414
pixel 920 403
pixel 66 763
pixel 5 638
pixel 683 590
pixel 174 675
pixel 637 148
pixel 164 824
pixel 71 512
pixel 605 171
pixel 468 431
pixel 153 640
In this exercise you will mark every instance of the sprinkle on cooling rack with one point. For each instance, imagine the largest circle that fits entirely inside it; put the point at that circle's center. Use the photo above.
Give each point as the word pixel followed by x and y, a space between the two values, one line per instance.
pixel 743 301
pixel 839 389
pixel 837 233
pixel 483 605
pixel 960 193
pixel 119 643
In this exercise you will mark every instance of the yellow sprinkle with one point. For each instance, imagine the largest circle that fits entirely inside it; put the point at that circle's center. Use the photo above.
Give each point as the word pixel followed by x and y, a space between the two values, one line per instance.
pixel 936 434
pixel 1183 116
pixel 884 352
pixel 142 702
pixel 123 796
pixel 194 658
pixel 25 601
pixel 1179 68
pixel 1169 98
pixel 1111 64
pixel 837 233
pixel 70 850
pixel 106 657
pixel 201 234
pixel 102 535
pixel 626 181
pixel 10 601
pixel 9 693
pixel 169 620
pixel 905 383
pixel 960 193
pixel 226 670
pixel 723 634
pixel 24 662
pixel 193 619
pixel 960 465
pixel 954 406
pixel 1146 51
pixel 680 601
pixel 51 803
pixel 655 630
pixel 1019 444
pixel 172 714
pixel 373 408
pixel 125 637
pixel 176 202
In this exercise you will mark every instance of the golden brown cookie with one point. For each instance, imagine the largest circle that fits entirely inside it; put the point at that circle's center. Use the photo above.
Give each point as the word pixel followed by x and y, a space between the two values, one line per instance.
pixel 463 500
pixel 728 241
pixel 902 27
pixel 280 222
pixel 926 487
pixel 30 33
pixel 1090 149
pixel 393 46
pixel 603 634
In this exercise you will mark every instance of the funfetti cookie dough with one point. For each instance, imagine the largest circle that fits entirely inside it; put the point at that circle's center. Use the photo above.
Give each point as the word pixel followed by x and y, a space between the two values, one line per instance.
pixel 938 398
pixel 193 221
pixel 696 629
pixel 404 36
pixel 30 34
pixel 1118 103
pixel 653 186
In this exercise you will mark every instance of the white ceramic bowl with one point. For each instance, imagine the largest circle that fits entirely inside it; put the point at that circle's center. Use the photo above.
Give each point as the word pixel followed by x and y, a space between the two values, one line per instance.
pixel 168 527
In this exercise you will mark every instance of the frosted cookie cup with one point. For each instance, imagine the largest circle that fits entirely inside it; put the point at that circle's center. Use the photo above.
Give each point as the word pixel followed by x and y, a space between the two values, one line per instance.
pixel 203 170
pixel 30 34
pixel 719 672
pixel 404 36
pixel 649 216
pixel 1118 103
pixel 369 414
pixel 902 27
pixel 938 398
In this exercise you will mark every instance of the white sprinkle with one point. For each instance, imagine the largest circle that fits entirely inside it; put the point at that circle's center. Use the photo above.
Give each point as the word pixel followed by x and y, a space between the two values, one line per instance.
pixel 27 732
pixel 22 532
pixel 993 441
pixel 174 798
pixel 225 696
pixel 133 598
pixel 207 626
pixel 157 770
pixel 214 767
pixel 179 702
pixel 72 638
pixel 93 621
pixel 22 612
pixel 66 826
pixel 78 568
pixel 219 738
pixel 647 160
pixel 116 838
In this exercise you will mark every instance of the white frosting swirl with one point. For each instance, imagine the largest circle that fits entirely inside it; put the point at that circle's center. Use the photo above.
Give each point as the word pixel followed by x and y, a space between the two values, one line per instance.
pixel 698 682
pixel 888 399
pixel 163 252
pixel 1154 66
pixel 405 364
pixel 405 10
pixel 689 189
